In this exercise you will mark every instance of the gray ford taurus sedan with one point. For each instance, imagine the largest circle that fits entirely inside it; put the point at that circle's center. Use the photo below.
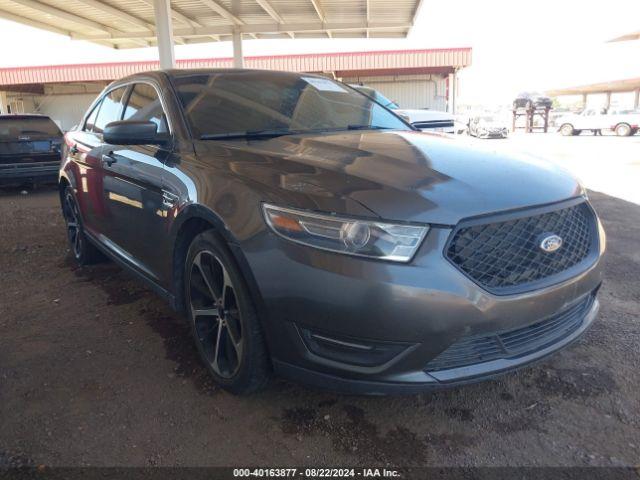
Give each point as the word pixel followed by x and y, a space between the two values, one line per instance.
pixel 304 229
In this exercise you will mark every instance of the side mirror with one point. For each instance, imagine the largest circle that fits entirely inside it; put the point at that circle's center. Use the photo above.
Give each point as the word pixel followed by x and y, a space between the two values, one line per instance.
pixel 129 132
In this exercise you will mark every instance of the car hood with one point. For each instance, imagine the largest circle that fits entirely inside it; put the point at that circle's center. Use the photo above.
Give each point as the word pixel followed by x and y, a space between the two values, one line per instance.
pixel 398 175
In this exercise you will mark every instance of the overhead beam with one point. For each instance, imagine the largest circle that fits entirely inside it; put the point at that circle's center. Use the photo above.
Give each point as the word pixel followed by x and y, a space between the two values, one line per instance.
pixel 255 29
pixel 61 14
pixel 223 12
pixel 118 13
pixel 267 7
pixel 71 17
pixel 317 6
pixel 33 23
pixel 180 17
pixel 319 10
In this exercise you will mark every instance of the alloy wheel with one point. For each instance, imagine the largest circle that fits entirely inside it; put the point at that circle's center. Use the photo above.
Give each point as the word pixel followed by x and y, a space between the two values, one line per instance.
pixel 215 314
pixel 72 219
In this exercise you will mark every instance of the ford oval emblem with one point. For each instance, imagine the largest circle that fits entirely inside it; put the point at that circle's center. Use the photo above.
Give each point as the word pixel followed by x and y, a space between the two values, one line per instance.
pixel 551 243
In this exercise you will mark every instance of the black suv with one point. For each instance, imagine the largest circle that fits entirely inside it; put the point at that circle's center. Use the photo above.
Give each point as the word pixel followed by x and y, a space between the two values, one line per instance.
pixel 29 148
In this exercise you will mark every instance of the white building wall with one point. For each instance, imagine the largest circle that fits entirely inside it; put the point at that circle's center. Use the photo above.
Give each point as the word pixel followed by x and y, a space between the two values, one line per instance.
pixel 65 110
pixel 409 91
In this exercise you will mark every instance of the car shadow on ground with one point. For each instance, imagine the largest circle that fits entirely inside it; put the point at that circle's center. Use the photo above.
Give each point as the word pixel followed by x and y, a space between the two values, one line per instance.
pixel 121 364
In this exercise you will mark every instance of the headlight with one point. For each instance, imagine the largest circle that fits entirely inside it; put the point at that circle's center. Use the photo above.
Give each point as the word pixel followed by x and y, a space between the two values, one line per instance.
pixel 384 241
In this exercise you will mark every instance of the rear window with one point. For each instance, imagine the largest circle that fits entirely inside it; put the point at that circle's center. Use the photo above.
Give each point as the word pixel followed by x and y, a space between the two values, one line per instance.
pixel 14 128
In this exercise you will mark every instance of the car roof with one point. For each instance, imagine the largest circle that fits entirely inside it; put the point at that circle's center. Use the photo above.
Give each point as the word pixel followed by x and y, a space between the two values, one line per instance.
pixel 179 73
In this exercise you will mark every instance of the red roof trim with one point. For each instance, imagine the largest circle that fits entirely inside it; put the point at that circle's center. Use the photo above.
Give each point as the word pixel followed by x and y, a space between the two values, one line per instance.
pixel 247 58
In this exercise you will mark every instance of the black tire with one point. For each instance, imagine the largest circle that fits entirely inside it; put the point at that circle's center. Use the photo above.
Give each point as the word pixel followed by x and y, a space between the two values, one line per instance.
pixel 623 130
pixel 223 319
pixel 567 129
pixel 84 252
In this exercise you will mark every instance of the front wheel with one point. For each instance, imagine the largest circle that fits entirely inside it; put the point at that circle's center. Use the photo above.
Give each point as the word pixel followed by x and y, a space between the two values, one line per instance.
pixel 623 130
pixel 83 251
pixel 566 129
pixel 224 323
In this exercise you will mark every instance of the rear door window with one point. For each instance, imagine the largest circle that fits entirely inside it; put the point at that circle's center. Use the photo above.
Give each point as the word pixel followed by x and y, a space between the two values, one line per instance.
pixel 110 110
pixel 144 105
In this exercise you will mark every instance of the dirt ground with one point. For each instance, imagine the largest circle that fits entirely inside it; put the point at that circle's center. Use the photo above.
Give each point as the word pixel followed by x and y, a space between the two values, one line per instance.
pixel 96 370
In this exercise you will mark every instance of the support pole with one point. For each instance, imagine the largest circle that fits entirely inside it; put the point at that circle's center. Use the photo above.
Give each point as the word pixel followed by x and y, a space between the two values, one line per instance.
pixel 4 103
pixel 608 101
pixel 584 100
pixel 238 57
pixel 164 33
pixel 636 100
pixel 452 87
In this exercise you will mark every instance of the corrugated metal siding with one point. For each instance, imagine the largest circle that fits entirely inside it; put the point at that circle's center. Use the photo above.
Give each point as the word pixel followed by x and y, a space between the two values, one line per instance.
pixel 409 91
pixel 317 62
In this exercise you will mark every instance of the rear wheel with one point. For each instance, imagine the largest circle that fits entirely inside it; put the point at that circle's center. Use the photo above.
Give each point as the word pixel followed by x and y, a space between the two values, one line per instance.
pixel 223 320
pixel 83 251
pixel 623 130
pixel 566 129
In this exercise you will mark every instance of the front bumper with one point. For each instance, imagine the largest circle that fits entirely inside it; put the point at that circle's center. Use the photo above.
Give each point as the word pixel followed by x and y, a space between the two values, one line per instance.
pixel 415 310
pixel 431 381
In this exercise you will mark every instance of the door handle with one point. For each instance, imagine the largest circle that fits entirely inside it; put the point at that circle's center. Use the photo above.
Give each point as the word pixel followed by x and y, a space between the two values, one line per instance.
pixel 74 149
pixel 108 159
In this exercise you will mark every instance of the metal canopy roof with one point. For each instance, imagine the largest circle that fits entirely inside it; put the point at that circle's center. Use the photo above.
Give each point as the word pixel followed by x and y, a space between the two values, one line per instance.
pixel 627 37
pixel 626 85
pixel 131 23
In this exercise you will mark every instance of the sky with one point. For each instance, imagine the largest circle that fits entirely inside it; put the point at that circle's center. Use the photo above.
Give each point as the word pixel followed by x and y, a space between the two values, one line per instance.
pixel 517 45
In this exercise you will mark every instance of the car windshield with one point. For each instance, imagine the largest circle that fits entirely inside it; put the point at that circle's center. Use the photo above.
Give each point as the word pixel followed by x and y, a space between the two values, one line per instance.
pixel 378 97
pixel 11 128
pixel 237 104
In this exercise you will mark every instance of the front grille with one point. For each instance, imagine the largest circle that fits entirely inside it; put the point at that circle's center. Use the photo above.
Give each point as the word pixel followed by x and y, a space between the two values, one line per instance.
pixel 506 256
pixel 513 343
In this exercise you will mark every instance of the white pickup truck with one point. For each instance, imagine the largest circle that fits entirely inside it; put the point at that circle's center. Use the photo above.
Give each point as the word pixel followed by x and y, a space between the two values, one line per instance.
pixel 623 123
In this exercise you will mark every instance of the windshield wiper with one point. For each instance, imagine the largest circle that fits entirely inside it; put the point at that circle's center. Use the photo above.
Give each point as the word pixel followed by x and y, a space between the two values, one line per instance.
pixel 367 127
pixel 249 134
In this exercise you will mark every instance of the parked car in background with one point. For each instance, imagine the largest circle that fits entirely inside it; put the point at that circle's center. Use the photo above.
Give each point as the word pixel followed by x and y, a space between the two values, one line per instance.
pixel 303 228
pixel 423 119
pixel 529 100
pixel 623 122
pixel 29 148
pixel 488 126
